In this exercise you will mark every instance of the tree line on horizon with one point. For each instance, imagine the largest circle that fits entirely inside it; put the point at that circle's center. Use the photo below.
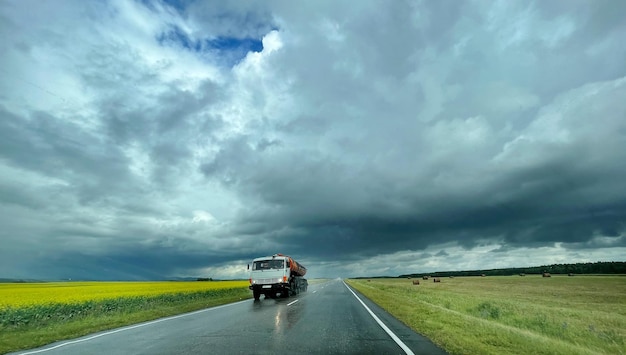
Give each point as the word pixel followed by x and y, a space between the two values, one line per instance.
pixel 600 267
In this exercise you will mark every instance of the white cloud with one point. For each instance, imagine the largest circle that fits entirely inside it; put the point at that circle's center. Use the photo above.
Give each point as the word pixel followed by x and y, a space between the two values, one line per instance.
pixel 202 217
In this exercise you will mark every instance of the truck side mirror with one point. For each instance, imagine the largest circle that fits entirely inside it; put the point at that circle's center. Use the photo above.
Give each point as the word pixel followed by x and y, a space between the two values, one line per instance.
pixel 248 266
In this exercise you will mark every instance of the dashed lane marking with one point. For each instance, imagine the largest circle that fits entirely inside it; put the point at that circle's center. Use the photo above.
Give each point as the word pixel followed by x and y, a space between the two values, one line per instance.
pixel 290 303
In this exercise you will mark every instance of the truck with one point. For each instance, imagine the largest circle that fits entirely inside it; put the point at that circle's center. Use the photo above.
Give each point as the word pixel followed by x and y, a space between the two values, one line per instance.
pixel 275 275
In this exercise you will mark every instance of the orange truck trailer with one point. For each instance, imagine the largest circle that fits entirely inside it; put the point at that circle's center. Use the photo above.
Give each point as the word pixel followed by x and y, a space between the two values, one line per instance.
pixel 275 275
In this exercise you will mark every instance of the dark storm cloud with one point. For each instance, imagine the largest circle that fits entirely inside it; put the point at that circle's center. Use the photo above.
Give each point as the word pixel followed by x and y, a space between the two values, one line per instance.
pixel 423 136
pixel 341 203
pixel 60 149
pixel 562 197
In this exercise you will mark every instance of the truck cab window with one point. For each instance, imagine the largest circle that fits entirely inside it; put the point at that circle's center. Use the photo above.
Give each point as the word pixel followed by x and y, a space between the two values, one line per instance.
pixel 277 264
pixel 268 264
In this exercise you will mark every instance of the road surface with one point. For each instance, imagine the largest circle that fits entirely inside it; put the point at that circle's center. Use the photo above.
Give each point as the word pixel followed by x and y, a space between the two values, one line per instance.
pixel 330 318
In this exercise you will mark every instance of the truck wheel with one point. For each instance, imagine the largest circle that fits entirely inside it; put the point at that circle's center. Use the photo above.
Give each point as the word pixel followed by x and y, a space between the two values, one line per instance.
pixel 256 294
pixel 293 289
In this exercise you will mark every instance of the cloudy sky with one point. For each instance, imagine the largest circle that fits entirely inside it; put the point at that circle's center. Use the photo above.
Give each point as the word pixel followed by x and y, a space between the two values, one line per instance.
pixel 143 139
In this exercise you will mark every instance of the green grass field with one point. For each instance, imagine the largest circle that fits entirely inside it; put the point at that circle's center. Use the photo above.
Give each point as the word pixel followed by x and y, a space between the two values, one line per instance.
pixel 510 314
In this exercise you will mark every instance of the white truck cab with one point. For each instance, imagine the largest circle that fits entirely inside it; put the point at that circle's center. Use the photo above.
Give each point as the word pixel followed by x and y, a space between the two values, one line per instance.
pixel 276 274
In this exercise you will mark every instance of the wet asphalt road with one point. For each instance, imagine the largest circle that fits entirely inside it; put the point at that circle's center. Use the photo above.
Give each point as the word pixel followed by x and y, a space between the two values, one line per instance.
pixel 328 319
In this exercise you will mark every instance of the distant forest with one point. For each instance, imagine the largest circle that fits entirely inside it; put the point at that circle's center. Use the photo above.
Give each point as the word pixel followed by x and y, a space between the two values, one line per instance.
pixel 611 267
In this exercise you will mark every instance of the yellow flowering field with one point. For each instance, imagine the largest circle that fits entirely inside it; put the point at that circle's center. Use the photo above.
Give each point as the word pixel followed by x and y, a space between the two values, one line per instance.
pixel 34 314
pixel 17 295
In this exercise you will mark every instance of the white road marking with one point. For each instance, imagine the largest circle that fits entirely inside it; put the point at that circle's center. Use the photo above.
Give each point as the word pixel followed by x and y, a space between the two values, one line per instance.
pixel 382 325
pixel 314 291
pixel 128 328
pixel 290 303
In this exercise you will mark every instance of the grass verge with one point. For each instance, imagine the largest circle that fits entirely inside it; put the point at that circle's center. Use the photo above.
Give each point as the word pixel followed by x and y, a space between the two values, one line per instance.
pixel 510 315
pixel 30 327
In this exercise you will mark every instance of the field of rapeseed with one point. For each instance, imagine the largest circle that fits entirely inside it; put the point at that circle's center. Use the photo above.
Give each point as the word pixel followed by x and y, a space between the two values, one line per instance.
pixel 17 295
pixel 33 314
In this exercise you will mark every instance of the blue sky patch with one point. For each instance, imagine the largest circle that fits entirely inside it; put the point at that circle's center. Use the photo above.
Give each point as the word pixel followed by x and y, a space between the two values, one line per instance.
pixel 177 36
pixel 178 5
pixel 231 51
pixel 231 43
pixel 227 50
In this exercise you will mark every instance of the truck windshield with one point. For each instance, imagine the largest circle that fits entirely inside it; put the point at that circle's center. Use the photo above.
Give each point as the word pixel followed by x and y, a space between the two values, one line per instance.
pixel 268 264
